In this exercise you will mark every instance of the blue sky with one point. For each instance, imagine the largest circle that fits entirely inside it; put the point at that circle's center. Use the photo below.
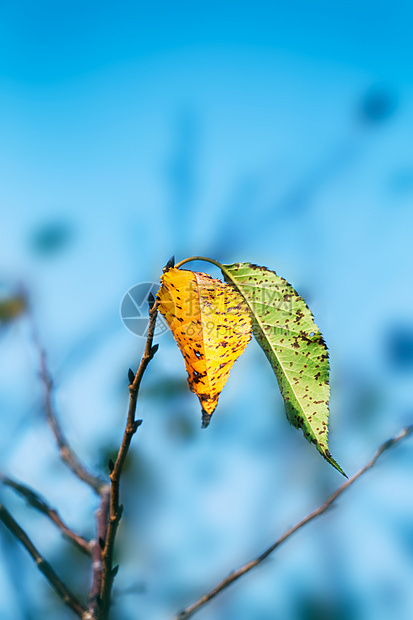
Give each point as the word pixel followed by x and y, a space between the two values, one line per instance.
pixel 242 131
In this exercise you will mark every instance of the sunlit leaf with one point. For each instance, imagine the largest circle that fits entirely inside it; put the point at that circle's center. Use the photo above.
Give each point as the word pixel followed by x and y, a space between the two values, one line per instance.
pixel 285 329
pixel 212 326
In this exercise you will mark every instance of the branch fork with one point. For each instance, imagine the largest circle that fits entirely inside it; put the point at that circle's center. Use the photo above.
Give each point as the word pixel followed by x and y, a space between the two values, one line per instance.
pixel 109 512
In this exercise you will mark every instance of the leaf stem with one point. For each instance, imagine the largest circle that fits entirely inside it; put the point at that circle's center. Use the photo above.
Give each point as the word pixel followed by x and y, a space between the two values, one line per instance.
pixel 202 258
pixel 220 266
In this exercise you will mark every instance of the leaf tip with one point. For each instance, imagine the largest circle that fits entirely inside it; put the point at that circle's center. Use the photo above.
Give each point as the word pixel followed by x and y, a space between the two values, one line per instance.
pixel 334 463
pixel 206 418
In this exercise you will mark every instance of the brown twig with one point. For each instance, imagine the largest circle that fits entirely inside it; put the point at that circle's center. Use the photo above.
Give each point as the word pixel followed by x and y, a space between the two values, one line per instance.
pixel 234 576
pixel 115 511
pixel 66 452
pixel 44 567
pixel 37 501
pixel 102 517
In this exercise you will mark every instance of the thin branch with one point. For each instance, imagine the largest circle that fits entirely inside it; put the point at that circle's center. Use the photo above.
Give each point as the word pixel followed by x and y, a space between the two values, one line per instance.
pixel 37 501
pixel 131 427
pixel 44 567
pixel 66 452
pixel 102 517
pixel 234 576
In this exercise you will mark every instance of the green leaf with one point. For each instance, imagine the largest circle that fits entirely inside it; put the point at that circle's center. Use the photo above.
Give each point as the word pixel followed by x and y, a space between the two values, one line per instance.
pixel 284 328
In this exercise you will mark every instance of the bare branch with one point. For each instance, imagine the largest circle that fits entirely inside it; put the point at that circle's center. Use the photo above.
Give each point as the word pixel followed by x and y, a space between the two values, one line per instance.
pixel 132 425
pixel 66 452
pixel 234 576
pixel 44 567
pixel 102 516
pixel 37 501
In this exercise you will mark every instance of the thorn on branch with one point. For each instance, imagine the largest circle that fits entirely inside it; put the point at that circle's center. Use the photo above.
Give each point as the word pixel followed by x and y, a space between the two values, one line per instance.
pixel 131 376
pixel 115 512
pixel 115 571
pixel 111 466
pixel 170 264
pixel 136 425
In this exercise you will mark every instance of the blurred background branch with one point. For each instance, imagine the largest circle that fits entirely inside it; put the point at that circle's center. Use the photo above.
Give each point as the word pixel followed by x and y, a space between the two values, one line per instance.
pixel 44 567
pixel 235 575
pixel 66 452
pixel 35 500
pixel 109 511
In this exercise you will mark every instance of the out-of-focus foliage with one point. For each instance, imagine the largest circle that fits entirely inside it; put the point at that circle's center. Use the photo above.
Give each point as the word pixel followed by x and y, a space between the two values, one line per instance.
pixel 378 105
pixel 11 308
pixel 399 345
pixel 51 238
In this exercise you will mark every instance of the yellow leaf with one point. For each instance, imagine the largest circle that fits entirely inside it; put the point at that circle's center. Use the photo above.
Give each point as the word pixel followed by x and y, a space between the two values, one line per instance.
pixel 211 324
